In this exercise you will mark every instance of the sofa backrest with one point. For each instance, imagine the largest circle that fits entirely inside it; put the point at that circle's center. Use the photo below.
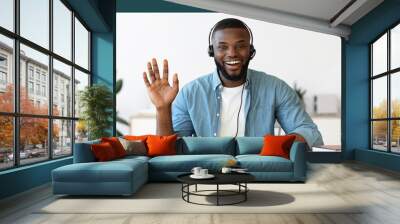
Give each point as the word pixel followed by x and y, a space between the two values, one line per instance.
pixel 206 145
pixel 249 145
pixel 83 152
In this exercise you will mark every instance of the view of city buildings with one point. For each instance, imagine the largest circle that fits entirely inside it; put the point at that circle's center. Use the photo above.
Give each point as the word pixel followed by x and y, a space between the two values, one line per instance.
pixel 34 90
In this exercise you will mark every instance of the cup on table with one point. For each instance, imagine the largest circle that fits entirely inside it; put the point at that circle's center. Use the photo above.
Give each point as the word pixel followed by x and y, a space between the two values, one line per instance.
pixel 196 170
pixel 226 170
pixel 203 172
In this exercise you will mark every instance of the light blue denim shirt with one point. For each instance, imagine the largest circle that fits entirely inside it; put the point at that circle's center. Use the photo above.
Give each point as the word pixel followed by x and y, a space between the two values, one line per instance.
pixel 195 110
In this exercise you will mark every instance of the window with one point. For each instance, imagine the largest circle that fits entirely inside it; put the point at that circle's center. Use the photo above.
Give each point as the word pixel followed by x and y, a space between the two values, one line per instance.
pixel 30 72
pixel 34 25
pixel 3 78
pixel 62 140
pixel 38 89
pixel 3 72
pixel 37 74
pixel 81 45
pixel 7 14
pixel 62 29
pixel 55 127
pixel 7 87
pixel 43 90
pixel 3 61
pixel 62 74
pixel 30 87
pixel 385 92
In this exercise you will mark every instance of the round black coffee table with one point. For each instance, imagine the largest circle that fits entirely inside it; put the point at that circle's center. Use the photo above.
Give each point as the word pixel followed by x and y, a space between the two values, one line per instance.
pixel 238 179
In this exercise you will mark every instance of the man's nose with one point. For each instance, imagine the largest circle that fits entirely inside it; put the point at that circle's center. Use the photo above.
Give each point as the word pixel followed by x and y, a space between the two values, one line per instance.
pixel 231 51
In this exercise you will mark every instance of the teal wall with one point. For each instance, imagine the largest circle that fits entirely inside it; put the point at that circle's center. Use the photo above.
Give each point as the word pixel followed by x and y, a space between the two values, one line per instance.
pixel 24 178
pixel 357 101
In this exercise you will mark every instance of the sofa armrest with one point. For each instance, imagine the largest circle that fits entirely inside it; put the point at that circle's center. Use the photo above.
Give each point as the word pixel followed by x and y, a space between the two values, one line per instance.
pixel 83 152
pixel 298 157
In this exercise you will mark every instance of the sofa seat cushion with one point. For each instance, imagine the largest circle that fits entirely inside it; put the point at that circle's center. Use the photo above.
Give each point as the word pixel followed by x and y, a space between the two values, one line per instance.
pixel 111 171
pixel 257 163
pixel 133 158
pixel 185 163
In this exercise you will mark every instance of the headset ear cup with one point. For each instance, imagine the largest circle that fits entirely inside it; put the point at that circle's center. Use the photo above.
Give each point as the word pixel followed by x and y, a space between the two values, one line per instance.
pixel 211 51
pixel 252 52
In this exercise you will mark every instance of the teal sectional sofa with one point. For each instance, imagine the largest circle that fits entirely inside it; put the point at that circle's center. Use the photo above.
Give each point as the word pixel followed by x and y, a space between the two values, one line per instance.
pixel 125 176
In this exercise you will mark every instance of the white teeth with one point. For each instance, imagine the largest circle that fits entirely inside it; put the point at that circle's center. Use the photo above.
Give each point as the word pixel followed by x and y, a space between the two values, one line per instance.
pixel 232 62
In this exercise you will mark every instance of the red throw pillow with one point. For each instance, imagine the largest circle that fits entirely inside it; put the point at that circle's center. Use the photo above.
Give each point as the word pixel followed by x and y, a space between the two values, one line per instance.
pixel 161 145
pixel 103 151
pixel 277 145
pixel 116 145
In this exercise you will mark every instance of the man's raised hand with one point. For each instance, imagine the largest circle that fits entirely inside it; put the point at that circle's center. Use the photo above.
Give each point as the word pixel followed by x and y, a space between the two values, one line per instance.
pixel 161 93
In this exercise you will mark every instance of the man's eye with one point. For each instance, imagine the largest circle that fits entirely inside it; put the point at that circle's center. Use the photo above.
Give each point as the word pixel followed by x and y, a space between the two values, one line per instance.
pixel 222 47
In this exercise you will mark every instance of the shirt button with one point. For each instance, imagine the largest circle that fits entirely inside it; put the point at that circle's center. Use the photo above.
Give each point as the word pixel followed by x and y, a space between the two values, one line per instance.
pixel 217 115
pixel 218 97
pixel 215 134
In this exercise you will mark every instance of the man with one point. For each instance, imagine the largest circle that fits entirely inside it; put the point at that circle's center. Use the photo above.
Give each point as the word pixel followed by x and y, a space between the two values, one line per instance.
pixel 231 101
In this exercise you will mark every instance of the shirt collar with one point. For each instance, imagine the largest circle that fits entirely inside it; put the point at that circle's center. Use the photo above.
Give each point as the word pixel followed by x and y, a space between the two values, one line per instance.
pixel 216 81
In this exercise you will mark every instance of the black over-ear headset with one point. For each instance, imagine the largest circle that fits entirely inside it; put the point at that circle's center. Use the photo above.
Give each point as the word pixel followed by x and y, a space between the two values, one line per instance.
pixel 211 48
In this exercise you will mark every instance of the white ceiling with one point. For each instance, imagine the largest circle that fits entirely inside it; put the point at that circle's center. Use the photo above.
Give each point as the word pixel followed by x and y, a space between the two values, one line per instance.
pixel 325 16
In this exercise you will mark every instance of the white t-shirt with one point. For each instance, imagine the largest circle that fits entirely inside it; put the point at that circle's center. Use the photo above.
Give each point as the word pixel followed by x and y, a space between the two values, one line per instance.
pixel 229 111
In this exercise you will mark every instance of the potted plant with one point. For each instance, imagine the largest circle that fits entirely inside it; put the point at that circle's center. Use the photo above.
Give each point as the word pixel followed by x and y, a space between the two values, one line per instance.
pixel 96 102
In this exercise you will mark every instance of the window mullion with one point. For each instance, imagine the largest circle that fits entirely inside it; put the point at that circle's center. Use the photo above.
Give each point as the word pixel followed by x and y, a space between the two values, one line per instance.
pixel 50 81
pixel 73 82
pixel 16 83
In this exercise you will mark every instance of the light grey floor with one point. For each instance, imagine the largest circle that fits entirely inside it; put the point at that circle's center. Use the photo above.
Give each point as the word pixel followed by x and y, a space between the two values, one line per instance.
pixel 378 188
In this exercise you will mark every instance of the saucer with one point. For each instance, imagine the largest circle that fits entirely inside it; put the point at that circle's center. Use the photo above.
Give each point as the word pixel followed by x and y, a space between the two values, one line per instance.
pixel 208 176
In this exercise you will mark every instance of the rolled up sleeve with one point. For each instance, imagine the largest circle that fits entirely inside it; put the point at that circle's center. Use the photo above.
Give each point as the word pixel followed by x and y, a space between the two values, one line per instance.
pixel 292 116
pixel 181 122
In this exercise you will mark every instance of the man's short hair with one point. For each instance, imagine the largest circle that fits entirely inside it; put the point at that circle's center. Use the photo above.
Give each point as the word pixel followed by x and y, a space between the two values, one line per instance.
pixel 229 23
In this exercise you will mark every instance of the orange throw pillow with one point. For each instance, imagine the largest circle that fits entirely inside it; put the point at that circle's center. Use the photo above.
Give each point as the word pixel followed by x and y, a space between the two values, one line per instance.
pixel 161 145
pixel 135 138
pixel 103 151
pixel 277 145
pixel 116 145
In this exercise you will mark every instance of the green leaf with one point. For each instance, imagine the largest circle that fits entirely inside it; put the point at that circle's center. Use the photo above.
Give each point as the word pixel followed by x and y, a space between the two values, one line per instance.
pixel 118 85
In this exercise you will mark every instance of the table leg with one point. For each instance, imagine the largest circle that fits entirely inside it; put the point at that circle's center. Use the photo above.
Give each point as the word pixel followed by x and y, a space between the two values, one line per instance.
pixel 245 191
pixel 217 194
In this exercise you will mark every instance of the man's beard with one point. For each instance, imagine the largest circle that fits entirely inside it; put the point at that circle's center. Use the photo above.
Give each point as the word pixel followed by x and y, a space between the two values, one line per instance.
pixel 242 75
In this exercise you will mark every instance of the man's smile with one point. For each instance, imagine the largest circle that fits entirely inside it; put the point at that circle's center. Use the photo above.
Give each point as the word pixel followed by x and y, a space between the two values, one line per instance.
pixel 233 65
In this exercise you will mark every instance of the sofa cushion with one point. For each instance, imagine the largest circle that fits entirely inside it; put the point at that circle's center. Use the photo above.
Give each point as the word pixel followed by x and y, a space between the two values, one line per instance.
pixel 277 145
pixel 185 163
pixel 206 145
pixel 249 145
pixel 103 151
pixel 111 171
pixel 116 145
pixel 134 147
pixel 161 145
pixel 257 163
